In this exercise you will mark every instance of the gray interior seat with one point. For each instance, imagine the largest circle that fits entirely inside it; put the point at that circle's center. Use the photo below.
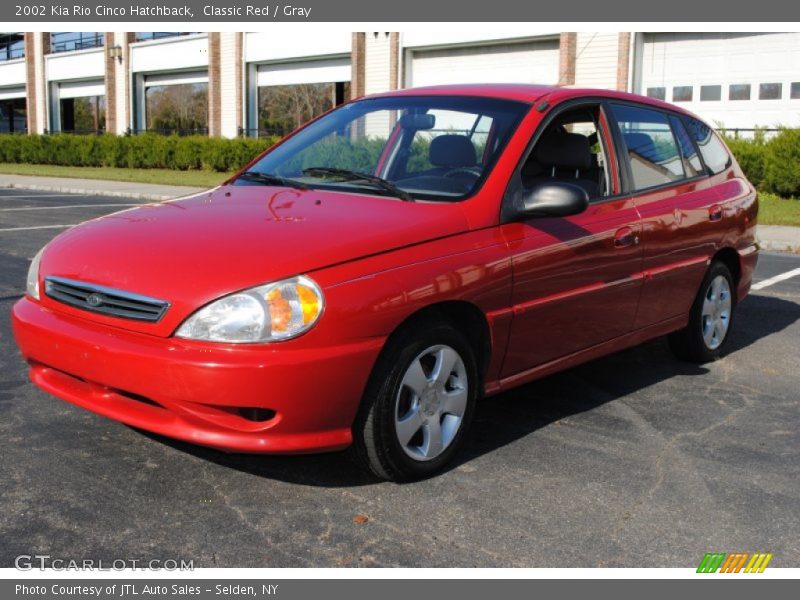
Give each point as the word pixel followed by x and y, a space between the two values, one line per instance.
pixel 563 157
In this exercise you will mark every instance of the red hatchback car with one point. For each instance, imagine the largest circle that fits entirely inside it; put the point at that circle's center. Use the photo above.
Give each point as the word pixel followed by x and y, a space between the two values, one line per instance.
pixel 366 280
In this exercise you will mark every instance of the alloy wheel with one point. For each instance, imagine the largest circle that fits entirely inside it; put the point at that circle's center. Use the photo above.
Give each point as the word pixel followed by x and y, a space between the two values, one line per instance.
pixel 716 314
pixel 431 402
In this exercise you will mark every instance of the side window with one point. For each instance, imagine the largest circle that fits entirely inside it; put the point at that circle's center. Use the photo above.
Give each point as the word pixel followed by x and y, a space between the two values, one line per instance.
pixel 652 151
pixel 711 148
pixel 691 161
pixel 571 149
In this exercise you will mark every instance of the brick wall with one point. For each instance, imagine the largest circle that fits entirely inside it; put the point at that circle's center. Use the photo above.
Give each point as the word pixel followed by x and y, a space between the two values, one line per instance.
pixel 214 85
pixel 566 58
pixel 36 44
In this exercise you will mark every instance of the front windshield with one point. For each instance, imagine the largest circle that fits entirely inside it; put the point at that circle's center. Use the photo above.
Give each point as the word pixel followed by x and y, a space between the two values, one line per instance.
pixel 411 147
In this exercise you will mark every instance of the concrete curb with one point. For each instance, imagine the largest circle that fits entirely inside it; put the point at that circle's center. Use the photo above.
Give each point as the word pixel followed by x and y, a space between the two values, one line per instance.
pixel 779 246
pixel 98 192
pixel 779 238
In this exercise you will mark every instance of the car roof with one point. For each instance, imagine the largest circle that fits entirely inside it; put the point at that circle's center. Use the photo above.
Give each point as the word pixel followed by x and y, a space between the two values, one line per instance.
pixel 529 93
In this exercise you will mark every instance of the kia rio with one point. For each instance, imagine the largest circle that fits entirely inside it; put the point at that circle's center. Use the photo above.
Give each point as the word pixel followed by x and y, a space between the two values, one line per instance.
pixel 362 283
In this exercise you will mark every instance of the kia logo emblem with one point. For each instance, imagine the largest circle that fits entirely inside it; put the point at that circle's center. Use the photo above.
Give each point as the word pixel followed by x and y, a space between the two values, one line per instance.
pixel 94 300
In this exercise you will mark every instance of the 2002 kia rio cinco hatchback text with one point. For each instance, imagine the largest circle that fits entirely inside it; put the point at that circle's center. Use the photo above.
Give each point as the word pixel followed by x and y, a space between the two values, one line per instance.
pixel 367 279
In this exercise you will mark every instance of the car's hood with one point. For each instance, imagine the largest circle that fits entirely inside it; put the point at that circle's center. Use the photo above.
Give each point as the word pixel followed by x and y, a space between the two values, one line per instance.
pixel 193 250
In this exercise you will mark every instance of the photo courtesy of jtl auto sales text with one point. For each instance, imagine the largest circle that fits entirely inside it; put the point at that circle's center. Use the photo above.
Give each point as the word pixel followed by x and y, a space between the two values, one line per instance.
pixel 355 299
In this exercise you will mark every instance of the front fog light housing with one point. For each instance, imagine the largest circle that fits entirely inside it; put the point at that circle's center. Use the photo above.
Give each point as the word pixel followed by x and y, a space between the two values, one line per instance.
pixel 32 283
pixel 267 313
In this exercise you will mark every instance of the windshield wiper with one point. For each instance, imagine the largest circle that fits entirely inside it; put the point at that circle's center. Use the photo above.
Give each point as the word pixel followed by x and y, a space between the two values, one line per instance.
pixel 347 175
pixel 268 179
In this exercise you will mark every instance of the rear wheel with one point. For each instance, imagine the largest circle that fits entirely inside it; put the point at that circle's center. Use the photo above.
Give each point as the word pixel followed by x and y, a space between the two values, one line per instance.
pixel 418 404
pixel 710 320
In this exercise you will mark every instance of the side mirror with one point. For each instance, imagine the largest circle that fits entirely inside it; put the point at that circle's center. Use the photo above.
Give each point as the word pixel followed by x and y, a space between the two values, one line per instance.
pixel 553 199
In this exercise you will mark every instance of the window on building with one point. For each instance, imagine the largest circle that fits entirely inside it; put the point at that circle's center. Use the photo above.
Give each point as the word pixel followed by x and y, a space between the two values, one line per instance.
pixel 739 91
pixel 283 108
pixel 710 93
pixel 795 91
pixel 83 115
pixel 713 151
pixel 682 93
pixel 180 108
pixel 652 150
pixel 143 36
pixel 12 46
pixel 13 116
pixel 691 161
pixel 657 92
pixel 68 41
pixel 770 91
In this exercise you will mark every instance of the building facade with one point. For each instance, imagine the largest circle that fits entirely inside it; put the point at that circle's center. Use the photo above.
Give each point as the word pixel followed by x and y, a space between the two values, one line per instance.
pixel 234 83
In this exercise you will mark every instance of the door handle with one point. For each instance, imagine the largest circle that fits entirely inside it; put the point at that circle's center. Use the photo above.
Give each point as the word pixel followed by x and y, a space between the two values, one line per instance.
pixel 715 213
pixel 625 238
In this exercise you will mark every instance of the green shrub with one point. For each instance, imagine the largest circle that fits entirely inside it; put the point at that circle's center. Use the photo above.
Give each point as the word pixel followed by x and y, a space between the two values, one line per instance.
pixel 782 163
pixel 144 151
pixel 771 164
pixel 216 155
pixel 111 150
pixel 750 154
pixel 9 151
pixel 188 153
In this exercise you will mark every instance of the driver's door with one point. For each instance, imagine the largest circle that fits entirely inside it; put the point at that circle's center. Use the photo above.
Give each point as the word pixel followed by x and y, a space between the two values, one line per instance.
pixel 576 279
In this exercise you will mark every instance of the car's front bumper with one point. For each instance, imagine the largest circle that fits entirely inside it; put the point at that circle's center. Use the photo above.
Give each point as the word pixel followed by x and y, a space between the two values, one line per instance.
pixel 196 391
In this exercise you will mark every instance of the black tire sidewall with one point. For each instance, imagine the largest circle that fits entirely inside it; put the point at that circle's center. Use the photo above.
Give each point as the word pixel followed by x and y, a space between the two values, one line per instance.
pixel 375 430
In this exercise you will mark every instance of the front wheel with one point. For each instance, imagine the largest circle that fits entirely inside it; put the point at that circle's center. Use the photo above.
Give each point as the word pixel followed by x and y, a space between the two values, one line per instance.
pixel 710 320
pixel 418 404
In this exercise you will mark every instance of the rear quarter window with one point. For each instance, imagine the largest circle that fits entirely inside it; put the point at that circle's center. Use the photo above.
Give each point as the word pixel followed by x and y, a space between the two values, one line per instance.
pixel 713 151
pixel 691 161
pixel 653 153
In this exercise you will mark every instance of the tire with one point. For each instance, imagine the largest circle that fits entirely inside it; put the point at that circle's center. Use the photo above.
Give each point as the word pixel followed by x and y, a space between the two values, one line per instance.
pixel 710 320
pixel 408 401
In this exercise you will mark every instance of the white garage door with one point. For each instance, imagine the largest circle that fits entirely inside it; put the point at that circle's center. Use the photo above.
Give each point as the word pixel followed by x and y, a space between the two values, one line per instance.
pixel 521 62
pixel 81 89
pixel 735 80
pixel 329 70
pixel 9 93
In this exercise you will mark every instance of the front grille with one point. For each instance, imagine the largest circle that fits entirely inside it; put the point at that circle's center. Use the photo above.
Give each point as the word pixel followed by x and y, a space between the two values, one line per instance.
pixel 103 300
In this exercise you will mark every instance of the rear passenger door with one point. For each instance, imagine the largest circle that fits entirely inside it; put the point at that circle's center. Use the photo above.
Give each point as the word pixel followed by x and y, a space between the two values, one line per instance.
pixel 676 202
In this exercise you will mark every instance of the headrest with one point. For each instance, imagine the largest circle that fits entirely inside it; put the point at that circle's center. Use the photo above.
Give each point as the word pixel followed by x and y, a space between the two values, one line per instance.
pixel 564 150
pixel 452 151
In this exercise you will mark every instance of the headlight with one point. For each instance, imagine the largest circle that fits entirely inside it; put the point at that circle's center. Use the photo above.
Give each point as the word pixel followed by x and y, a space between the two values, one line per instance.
pixel 32 284
pixel 267 313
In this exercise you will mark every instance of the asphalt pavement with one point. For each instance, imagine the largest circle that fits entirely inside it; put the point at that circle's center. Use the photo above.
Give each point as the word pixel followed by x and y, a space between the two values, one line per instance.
pixel 632 460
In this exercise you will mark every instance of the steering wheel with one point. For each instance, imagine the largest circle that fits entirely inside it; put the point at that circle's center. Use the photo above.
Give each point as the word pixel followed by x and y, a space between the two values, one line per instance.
pixel 471 171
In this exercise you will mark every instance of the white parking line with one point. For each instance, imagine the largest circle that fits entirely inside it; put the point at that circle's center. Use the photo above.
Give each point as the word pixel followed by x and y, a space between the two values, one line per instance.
pixel 777 279
pixel 60 207
pixel 3 196
pixel 38 227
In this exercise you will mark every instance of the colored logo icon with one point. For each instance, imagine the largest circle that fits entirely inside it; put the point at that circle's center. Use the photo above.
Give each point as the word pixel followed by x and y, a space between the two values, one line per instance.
pixel 736 562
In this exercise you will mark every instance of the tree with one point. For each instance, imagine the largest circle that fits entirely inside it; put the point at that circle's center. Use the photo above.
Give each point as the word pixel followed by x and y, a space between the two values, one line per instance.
pixel 181 108
pixel 282 108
